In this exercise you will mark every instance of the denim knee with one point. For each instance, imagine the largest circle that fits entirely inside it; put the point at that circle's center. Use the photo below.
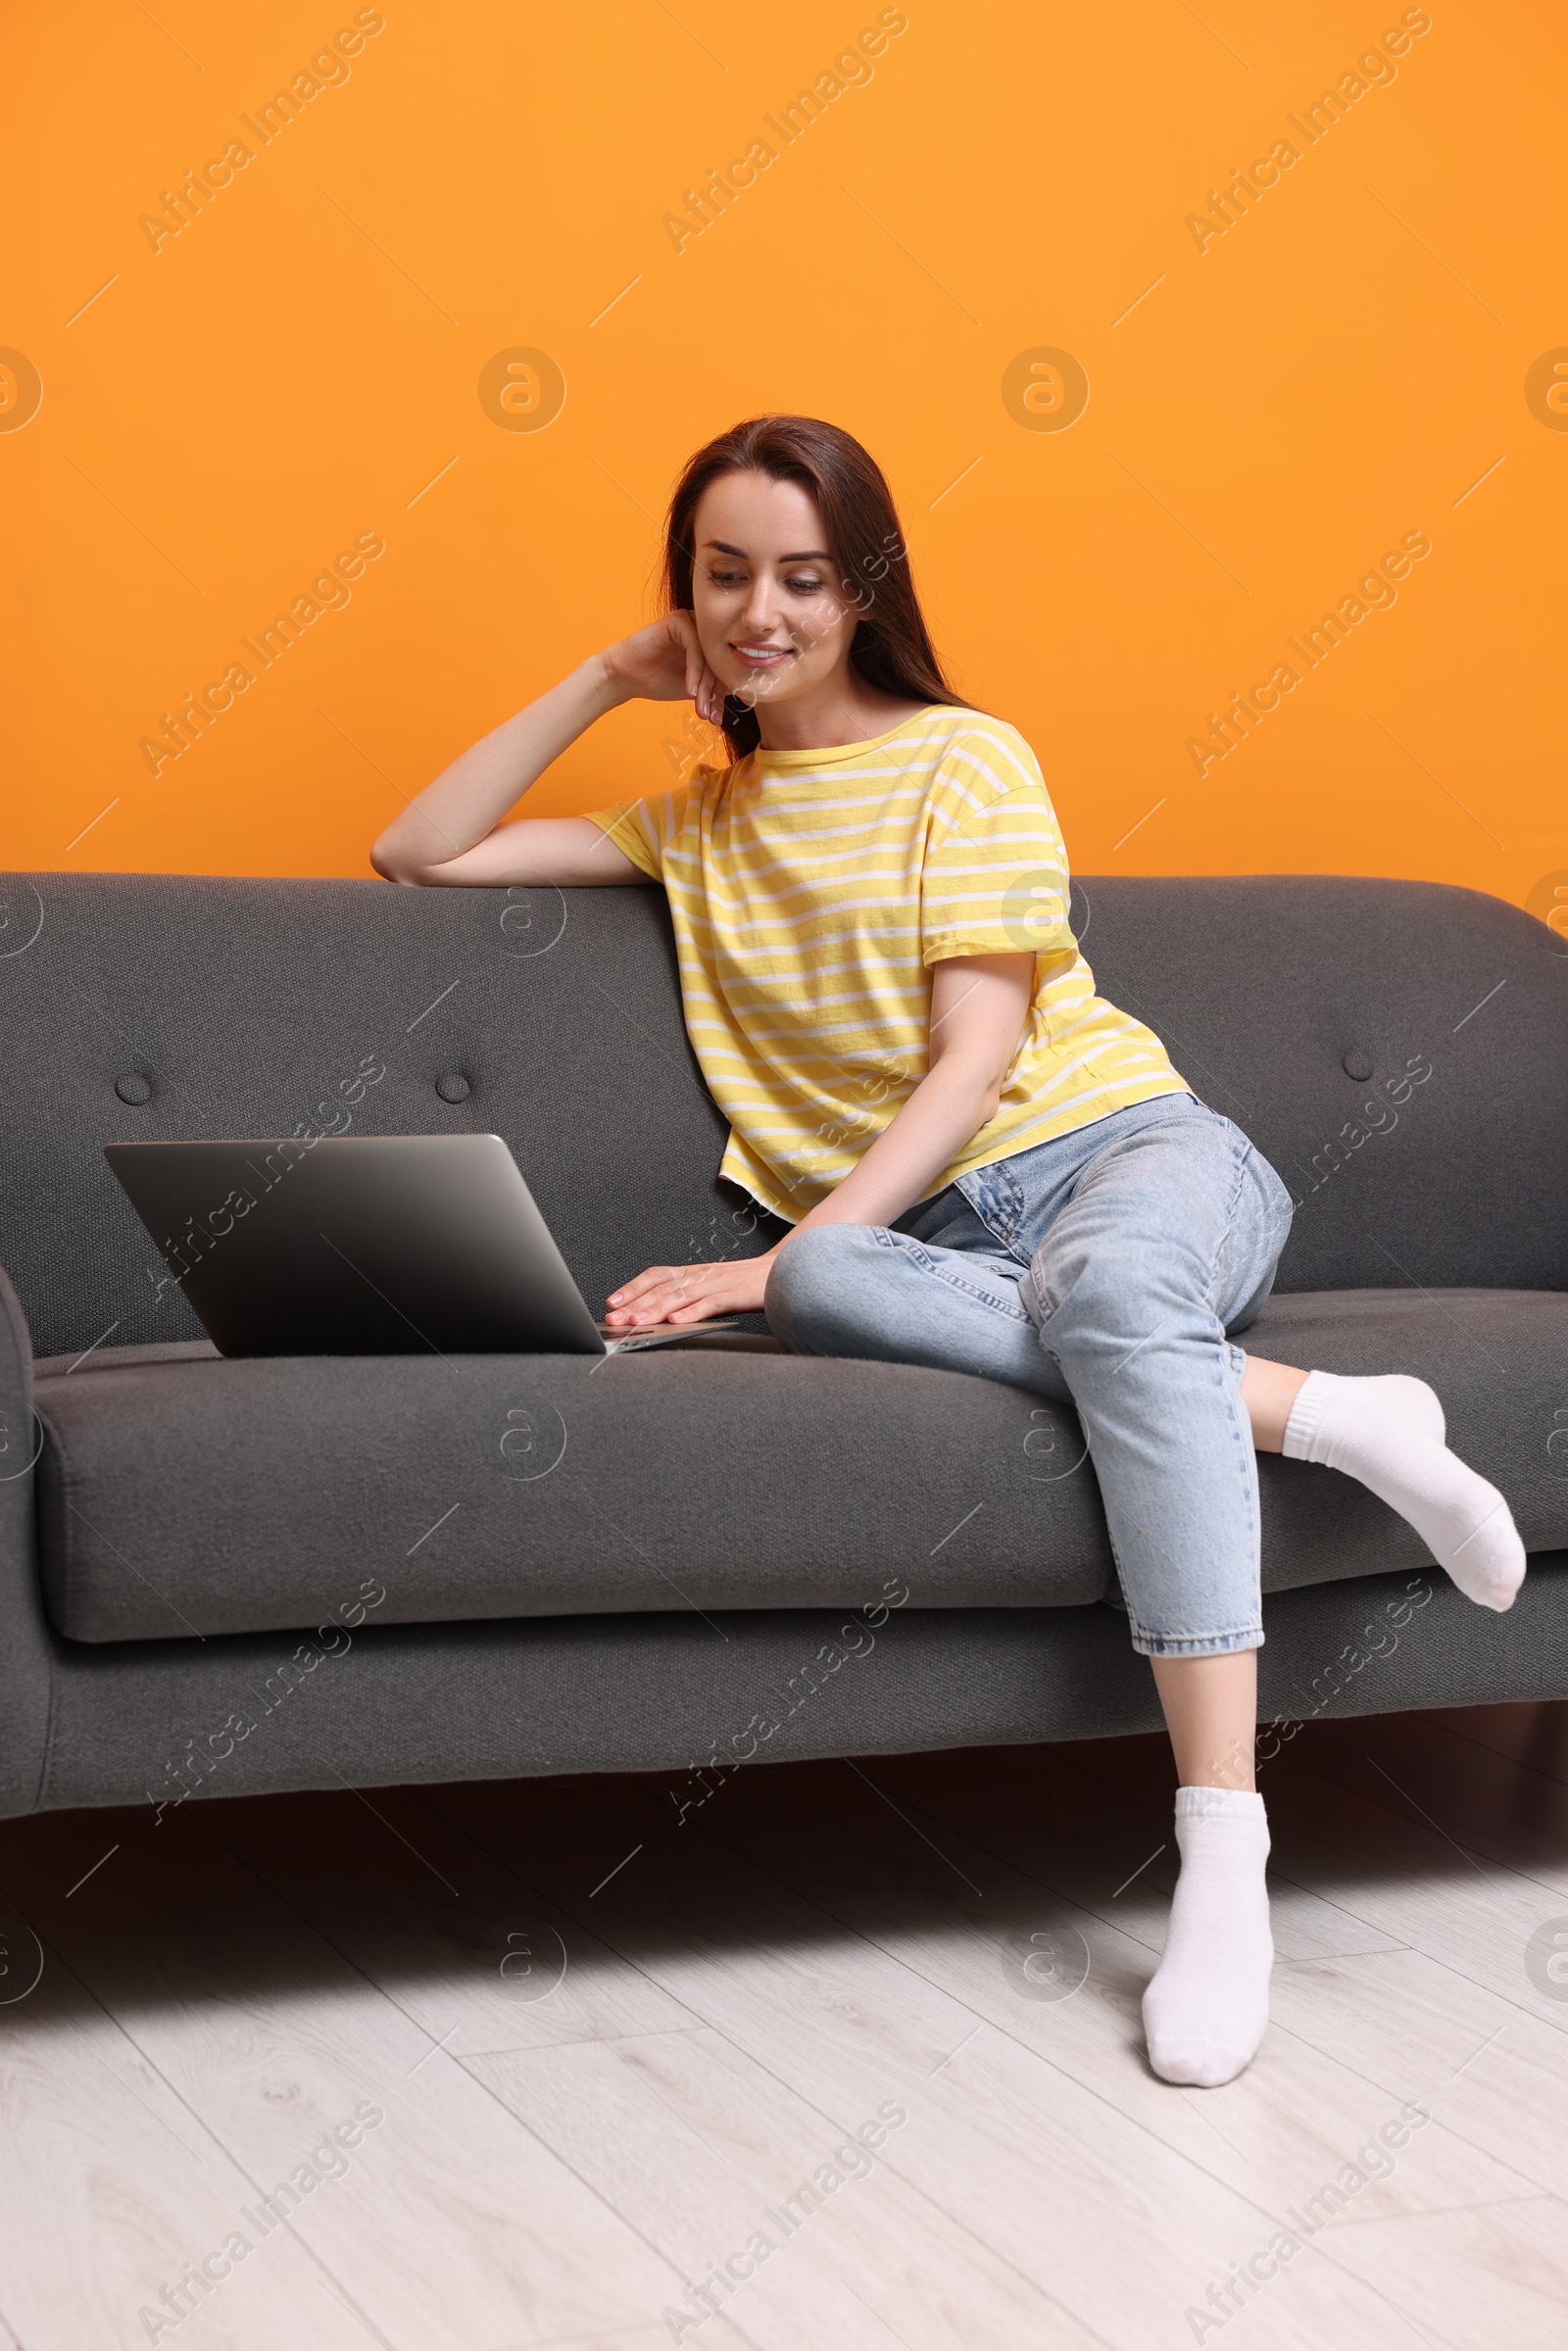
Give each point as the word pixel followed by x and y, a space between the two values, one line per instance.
pixel 1103 1313
pixel 814 1284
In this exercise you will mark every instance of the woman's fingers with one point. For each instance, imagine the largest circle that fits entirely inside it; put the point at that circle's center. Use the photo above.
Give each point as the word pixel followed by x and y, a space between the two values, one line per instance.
pixel 630 1291
pixel 653 1295
pixel 661 661
pixel 651 1314
pixel 684 634
pixel 707 696
pixel 697 680
pixel 687 1292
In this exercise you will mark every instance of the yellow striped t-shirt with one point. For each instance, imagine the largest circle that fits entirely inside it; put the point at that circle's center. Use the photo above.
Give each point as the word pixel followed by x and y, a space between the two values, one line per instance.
pixel 810 891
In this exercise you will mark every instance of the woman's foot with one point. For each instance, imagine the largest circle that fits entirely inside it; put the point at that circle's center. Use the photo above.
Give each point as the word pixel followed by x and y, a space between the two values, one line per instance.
pixel 1390 1433
pixel 1206 2008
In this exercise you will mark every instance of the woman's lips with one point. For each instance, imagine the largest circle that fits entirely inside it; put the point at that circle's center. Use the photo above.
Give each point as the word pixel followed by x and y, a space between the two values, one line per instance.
pixel 762 656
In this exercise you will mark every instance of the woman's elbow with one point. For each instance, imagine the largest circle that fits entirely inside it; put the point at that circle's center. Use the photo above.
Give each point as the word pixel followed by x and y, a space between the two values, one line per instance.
pixel 390 866
pixel 977 1084
pixel 993 1085
pixel 980 1091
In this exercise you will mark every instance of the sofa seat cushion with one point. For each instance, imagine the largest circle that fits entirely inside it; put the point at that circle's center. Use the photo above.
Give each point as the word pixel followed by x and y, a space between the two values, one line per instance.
pixel 183 1493
pixel 190 1493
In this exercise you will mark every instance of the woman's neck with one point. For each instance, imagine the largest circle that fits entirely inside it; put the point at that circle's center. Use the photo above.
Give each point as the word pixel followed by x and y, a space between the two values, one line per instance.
pixel 845 709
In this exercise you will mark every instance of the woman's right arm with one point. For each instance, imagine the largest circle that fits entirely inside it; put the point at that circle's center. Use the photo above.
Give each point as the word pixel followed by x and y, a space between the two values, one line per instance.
pixel 452 833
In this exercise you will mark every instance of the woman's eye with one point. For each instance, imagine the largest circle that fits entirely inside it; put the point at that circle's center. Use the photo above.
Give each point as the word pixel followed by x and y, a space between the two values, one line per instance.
pixel 723 579
pixel 804 587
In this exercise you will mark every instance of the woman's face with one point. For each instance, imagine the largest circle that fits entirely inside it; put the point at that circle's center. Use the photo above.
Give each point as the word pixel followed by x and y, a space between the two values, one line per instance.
pixel 766 598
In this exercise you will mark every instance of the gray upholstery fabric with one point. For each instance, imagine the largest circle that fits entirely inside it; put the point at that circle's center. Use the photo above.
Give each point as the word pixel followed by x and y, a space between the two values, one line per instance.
pixel 138 1722
pixel 207 1496
pixel 242 1005
pixel 211 1496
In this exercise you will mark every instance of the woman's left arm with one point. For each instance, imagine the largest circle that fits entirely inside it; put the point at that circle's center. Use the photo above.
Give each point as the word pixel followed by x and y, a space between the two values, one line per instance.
pixel 979 1005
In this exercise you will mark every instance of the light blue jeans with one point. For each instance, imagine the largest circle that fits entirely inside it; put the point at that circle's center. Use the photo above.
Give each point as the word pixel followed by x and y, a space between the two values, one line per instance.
pixel 1104 1269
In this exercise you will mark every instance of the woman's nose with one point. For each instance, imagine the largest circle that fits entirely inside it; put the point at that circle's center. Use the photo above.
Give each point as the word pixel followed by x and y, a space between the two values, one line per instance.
pixel 760 609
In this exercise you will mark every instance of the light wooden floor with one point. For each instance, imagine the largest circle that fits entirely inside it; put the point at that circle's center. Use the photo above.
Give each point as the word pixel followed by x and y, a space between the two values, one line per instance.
pixel 562 2153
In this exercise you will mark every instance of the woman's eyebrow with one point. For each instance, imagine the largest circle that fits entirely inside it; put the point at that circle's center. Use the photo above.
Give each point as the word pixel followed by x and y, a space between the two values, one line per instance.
pixel 809 554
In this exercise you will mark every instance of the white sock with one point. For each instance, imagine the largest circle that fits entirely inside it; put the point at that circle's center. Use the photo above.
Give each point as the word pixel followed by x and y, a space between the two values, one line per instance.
pixel 1206 2008
pixel 1390 1433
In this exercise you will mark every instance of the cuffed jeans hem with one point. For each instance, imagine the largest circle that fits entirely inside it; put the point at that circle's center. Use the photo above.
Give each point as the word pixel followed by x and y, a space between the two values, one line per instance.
pixel 1195 1645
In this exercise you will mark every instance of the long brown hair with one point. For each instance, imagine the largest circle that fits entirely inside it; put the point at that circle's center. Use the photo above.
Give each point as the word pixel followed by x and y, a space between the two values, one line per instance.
pixel 892 647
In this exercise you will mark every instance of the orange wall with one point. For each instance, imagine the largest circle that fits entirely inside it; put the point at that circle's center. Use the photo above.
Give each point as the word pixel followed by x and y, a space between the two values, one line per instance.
pixel 1270 409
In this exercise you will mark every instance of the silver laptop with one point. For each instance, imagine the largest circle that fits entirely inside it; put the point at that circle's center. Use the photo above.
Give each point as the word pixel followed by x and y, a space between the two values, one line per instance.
pixel 372 1244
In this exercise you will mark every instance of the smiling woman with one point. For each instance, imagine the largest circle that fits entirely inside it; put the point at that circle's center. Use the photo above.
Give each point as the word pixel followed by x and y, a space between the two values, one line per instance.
pixel 986 1168
pixel 851 556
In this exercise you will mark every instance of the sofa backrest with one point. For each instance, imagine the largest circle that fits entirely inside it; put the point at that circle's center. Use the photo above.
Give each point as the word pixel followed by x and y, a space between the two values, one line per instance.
pixel 134 1006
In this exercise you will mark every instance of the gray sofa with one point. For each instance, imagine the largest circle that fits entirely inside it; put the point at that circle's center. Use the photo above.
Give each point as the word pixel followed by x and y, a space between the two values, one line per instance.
pixel 225 1576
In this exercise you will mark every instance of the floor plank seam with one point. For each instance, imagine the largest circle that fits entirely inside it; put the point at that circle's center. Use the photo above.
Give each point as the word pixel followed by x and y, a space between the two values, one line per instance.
pixel 1479 1863
pixel 1438 2212
pixel 1553 1779
pixel 1388 2089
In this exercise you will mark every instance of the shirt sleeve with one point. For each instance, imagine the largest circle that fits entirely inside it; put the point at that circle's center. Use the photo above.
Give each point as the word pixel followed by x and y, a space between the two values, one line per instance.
pixel 640 828
pixel 994 874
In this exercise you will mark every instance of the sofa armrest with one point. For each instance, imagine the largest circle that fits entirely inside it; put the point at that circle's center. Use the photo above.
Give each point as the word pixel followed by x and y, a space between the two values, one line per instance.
pixel 26 1646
